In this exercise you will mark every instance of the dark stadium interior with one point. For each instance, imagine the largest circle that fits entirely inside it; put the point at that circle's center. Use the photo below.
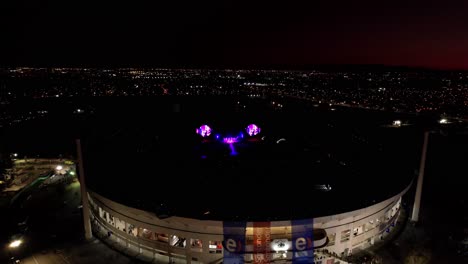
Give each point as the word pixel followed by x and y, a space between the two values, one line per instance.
pixel 145 153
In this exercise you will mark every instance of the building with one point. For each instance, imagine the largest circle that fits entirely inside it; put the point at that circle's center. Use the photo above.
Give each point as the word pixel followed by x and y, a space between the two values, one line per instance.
pixel 203 186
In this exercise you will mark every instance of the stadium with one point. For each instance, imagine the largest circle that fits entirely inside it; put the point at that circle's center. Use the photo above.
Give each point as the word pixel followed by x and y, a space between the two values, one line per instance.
pixel 239 181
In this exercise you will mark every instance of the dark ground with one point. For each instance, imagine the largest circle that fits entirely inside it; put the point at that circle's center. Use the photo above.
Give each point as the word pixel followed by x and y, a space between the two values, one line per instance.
pixel 444 210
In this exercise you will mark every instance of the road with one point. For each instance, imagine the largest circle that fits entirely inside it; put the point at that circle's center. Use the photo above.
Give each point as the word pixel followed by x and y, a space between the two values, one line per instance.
pixel 47 258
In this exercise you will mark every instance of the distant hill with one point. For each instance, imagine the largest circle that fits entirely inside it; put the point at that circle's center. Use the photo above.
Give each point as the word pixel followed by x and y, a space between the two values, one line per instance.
pixel 354 67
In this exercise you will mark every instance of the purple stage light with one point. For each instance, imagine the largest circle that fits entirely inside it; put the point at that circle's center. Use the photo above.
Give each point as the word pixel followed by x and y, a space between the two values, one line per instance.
pixel 204 131
pixel 252 129
pixel 230 140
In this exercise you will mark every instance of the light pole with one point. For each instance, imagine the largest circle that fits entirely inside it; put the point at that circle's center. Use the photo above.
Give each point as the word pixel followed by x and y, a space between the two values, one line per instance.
pixel 422 165
pixel 84 193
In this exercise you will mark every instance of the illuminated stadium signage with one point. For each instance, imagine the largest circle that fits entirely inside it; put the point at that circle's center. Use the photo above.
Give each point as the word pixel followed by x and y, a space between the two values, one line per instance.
pixel 234 242
pixel 233 246
pixel 302 241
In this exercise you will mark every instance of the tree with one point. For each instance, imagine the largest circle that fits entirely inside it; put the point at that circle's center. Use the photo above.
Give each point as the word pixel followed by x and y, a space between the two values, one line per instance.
pixel 5 163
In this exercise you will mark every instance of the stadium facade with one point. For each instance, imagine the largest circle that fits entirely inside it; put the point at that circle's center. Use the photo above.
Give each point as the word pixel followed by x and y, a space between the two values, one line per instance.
pixel 245 188
pixel 205 241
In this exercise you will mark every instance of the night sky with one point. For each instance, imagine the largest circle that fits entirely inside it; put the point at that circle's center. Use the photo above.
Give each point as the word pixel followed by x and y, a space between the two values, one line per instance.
pixel 235 33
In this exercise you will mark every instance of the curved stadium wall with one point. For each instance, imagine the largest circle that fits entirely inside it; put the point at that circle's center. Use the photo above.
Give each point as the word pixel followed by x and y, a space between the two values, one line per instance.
pixel 204 241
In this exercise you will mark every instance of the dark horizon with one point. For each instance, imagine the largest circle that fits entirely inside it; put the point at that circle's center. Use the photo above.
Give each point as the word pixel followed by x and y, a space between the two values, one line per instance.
pixel 234 34
pixel 309 67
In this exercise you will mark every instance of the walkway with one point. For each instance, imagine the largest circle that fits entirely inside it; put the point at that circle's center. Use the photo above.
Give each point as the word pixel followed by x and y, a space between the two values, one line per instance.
pixel 130 248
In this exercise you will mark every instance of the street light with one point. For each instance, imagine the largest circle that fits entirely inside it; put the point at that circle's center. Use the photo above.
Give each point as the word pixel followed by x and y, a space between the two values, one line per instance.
pixel 15 243
pixel 59 167
pixel 397 123
pixel 443 121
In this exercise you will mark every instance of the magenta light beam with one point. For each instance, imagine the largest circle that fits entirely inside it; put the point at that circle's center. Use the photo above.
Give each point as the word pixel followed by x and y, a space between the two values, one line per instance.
pixel 233 150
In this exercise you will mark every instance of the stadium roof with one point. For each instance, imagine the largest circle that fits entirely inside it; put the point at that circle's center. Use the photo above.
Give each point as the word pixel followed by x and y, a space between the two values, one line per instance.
pixel 148 156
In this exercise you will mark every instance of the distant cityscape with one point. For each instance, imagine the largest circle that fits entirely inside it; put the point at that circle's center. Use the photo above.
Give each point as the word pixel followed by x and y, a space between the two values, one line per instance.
pixel 358 141
pixel 436 92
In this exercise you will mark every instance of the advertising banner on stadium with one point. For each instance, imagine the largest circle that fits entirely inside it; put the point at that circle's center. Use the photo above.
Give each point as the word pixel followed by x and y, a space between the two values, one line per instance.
pixel 261 243
pixel 256 243
pixel 234 242
pixel 302 240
